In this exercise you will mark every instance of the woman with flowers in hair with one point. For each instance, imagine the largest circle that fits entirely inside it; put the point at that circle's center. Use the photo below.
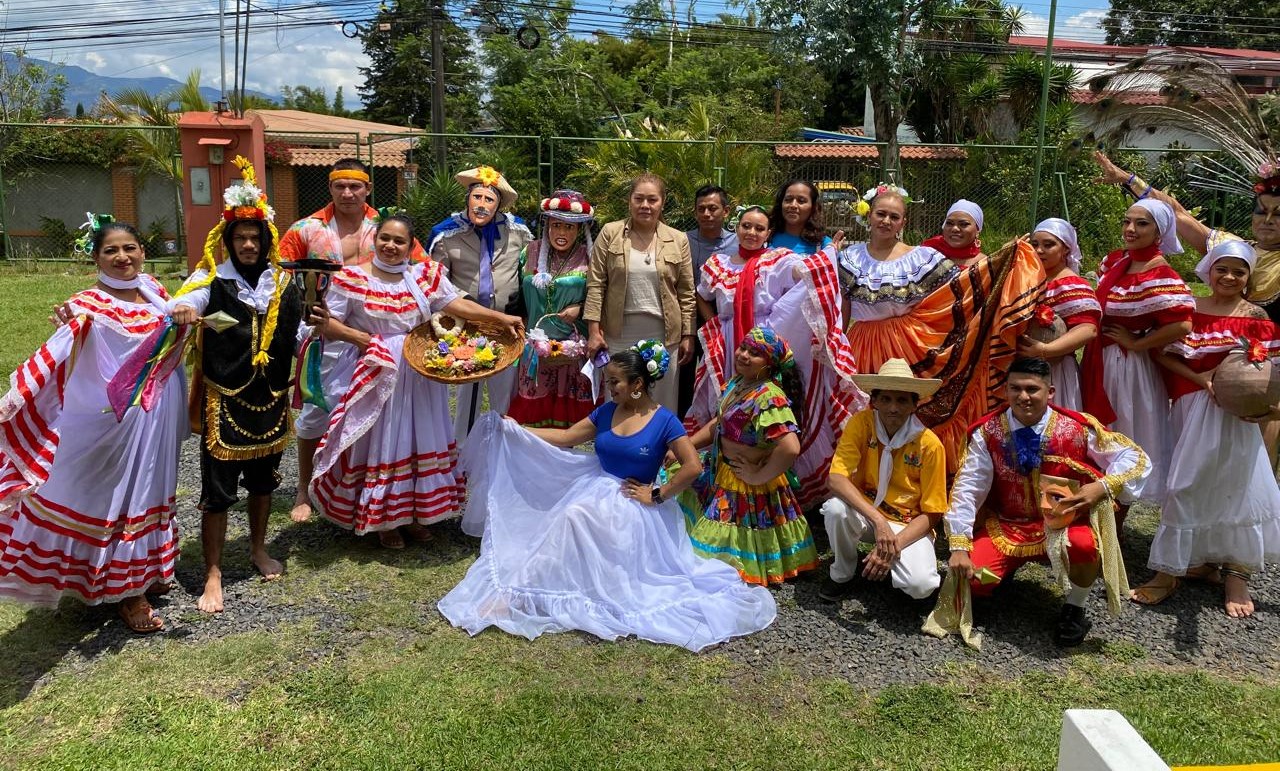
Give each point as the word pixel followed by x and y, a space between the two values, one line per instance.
pixel 554 392
pixel 598 545
pixel 1220 519
pixel 798 297
pixel 1068 297
pixel 1145 307
pixel 743 510
pixel 913 303
pixel 88 473
pixel 386 463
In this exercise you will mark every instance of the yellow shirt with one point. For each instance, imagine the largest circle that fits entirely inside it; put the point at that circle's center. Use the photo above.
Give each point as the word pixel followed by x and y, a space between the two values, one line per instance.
pixel 919 481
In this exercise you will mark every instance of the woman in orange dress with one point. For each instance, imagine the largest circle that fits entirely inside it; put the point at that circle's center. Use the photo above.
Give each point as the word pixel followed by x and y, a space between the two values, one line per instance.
pixel 957 325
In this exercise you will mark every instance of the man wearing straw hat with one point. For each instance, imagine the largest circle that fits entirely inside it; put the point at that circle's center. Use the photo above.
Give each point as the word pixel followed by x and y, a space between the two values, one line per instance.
pixel 1016 458
pixel 480 247
pixel 889 478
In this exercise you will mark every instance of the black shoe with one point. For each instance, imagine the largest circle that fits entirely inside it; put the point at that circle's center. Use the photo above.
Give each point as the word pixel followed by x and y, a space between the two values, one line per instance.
pixel 835 591
pixel 1073 625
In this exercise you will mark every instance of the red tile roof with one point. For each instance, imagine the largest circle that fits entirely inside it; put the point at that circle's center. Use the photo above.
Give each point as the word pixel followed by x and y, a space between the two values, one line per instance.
pixel 1063 44
pixel 1233 53
pixel 1085 96
pixel 857 151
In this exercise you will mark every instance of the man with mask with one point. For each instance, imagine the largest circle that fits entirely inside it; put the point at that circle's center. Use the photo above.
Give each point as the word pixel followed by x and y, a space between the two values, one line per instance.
pixel 240 384
pixel 480 246
pixel 1009 452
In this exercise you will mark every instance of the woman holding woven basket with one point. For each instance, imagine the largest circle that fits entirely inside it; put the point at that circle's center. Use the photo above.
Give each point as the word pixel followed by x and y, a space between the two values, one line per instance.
pixel 1221 515
pixel 550 387
pixel 386 462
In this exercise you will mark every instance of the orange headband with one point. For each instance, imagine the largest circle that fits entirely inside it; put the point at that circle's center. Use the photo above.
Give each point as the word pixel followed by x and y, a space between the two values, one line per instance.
pixel 349 174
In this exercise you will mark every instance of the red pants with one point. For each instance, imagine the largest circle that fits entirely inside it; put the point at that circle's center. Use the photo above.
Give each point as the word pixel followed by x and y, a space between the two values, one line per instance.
pixel 1081 550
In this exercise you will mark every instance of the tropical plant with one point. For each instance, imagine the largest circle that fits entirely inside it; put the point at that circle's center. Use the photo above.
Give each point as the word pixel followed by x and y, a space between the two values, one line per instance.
pixel 430 200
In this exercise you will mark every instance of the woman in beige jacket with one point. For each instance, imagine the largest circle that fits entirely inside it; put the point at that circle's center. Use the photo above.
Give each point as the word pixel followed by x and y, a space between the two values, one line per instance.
pixel 640 285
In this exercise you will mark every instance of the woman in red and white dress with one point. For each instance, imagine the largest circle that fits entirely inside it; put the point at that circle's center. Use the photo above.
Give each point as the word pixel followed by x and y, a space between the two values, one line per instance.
pixel 86 500
pixel 1145 306
pixel 387 461
pixel 798 297
pixel 1069 297
pixel 1221 517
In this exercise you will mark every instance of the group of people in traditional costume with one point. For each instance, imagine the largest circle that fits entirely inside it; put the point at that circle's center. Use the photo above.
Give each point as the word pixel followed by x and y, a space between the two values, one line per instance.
pixel 922 399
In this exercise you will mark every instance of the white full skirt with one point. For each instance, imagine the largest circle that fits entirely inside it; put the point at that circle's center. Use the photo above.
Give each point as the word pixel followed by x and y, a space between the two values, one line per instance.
pixel 1066 383
pixel 1223 504
pixel 1141 403
pixel 563 549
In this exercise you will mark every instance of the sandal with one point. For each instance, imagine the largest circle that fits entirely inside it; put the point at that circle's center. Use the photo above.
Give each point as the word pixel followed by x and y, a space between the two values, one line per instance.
pixel 417 533
pixel 159 589
pixel 1157 590
pixel 391 539
pixel 139 616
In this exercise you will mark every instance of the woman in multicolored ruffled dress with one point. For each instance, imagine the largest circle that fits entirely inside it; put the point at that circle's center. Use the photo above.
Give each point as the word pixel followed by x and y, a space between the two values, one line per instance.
pixel 1145 306
pixel 798 297
pixel 743 509
pixel 913 303
pixel 86 498
pixel 1069 297
pixel 386 463
pixel 1221 517
pixel 554 281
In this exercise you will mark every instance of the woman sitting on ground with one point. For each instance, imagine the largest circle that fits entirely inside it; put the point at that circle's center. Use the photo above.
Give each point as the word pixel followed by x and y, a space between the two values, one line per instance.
pixel 594 542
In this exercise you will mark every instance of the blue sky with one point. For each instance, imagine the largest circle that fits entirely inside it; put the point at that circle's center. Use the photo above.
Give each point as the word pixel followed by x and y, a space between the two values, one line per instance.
pixel 289 47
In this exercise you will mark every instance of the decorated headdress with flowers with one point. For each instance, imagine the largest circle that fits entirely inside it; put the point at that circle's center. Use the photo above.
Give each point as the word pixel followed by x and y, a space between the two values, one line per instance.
pixel 656 357
pixel 742 211
pixel 93 224
pixel 1267 181
pixel 244 201
pixel 863 207
pixel 488 176
pixel 773 347
pixel 566 206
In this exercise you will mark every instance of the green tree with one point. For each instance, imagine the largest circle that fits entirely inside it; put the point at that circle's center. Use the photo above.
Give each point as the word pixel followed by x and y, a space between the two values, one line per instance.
pixel 339 104
pixel 1219 23
pixel 28 91
pixel 306 98
pixel 397 82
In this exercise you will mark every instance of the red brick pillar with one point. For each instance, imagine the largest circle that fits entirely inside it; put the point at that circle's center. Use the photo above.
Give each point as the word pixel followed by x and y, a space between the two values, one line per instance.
pixel 284 196
pixel 124 195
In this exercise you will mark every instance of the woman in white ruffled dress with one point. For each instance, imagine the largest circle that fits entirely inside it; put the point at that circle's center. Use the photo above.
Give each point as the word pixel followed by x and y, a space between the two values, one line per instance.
pixel 1221 515
pixel 387 460
pixel 86 499
pixel 592 542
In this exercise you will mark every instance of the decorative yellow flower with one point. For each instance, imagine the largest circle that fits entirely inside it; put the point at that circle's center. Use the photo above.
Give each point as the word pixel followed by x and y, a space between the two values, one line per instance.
pixel 484 356
pixel 861 208
pixel 488 176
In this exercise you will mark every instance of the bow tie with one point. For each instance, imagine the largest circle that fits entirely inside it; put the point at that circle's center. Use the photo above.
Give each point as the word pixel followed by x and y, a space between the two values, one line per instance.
pixel 1026 450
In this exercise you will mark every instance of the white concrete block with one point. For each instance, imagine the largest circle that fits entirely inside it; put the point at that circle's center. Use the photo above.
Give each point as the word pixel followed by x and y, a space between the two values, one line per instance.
pixel 1102 740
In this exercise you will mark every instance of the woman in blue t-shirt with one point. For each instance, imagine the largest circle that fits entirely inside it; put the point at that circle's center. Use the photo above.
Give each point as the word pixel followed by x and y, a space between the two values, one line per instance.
pixel 796 218
pixel 593 541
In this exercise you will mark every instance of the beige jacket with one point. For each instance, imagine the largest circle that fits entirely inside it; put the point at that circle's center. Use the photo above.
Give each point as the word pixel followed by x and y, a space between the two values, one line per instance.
pixel 458 250
pixel 607 280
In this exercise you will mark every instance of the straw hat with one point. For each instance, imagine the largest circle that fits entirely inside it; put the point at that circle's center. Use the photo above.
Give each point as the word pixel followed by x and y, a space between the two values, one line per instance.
pixel 489 177
pixel 896 375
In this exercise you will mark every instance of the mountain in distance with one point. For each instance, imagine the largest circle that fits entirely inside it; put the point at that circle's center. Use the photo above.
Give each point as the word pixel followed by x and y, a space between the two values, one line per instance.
pixel 84 86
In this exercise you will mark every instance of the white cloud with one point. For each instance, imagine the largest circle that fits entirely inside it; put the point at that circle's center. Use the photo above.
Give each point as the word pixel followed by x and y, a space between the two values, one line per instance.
pixel 1086 27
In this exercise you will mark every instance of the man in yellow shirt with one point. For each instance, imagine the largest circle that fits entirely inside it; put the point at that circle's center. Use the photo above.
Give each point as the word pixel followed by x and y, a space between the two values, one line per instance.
pixel 891 498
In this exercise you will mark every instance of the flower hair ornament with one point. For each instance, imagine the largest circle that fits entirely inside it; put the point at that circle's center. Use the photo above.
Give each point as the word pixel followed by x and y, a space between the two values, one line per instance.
pixel 93 224
pixel 742 211
pixel 1267 181
pixel 244 200
pixel 656 357
pixel 387 212
pixel 863 207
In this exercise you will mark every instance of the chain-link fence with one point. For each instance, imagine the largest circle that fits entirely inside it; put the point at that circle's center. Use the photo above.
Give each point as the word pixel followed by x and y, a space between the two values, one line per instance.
pixel 51 174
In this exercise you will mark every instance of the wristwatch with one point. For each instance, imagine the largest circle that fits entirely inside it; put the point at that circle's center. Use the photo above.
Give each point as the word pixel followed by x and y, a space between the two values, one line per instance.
pixel 656 492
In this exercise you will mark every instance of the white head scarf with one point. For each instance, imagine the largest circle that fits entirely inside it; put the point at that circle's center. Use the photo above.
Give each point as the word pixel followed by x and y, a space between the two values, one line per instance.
pixel 967 207
pixel 1234 247
pixel 1166 223
pixel 1066 233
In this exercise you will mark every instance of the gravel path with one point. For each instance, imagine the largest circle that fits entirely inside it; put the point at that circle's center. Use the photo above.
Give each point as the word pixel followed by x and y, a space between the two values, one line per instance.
pixel 872 639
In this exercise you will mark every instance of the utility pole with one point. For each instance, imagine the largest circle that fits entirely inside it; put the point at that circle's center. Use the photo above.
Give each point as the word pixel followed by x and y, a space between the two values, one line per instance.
pixel 671 50
pixel 437 83
pixel 1044 110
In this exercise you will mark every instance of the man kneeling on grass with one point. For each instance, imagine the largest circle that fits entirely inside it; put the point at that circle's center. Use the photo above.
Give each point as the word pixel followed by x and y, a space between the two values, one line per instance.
pixel 889 477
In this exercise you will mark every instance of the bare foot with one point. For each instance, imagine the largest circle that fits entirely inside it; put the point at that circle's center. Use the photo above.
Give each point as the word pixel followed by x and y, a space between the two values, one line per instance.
pixel 301 511
pixel 269 568
pixel 1239 603
pixel 211 600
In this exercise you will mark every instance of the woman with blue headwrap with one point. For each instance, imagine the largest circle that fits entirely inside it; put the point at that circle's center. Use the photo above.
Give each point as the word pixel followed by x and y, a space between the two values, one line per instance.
pixel 1145 306
pixel 595 541
pixel 1220 519
pixel 745 510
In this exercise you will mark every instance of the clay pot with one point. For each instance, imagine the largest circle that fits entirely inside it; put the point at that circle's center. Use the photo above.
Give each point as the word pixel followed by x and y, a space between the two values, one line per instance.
pixel 1245 389
pixel 1042 334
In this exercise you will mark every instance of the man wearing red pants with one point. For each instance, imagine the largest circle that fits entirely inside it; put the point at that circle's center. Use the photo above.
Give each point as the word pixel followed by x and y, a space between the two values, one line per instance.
pixel 1008 454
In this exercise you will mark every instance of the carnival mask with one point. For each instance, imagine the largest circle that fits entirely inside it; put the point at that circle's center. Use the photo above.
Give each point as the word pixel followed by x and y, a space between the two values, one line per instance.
pixel 1053 490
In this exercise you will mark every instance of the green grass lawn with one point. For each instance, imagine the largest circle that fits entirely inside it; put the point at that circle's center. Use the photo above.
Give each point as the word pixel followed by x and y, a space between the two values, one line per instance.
pixel 392 686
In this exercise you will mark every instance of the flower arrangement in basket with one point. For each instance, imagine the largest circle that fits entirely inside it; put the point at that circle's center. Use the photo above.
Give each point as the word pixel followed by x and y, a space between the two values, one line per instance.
pixel 542 351
pixel 447 350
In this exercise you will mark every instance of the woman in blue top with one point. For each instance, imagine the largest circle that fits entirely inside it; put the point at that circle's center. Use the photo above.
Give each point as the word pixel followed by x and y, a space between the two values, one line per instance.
pixel 796 218
pixel 592 541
